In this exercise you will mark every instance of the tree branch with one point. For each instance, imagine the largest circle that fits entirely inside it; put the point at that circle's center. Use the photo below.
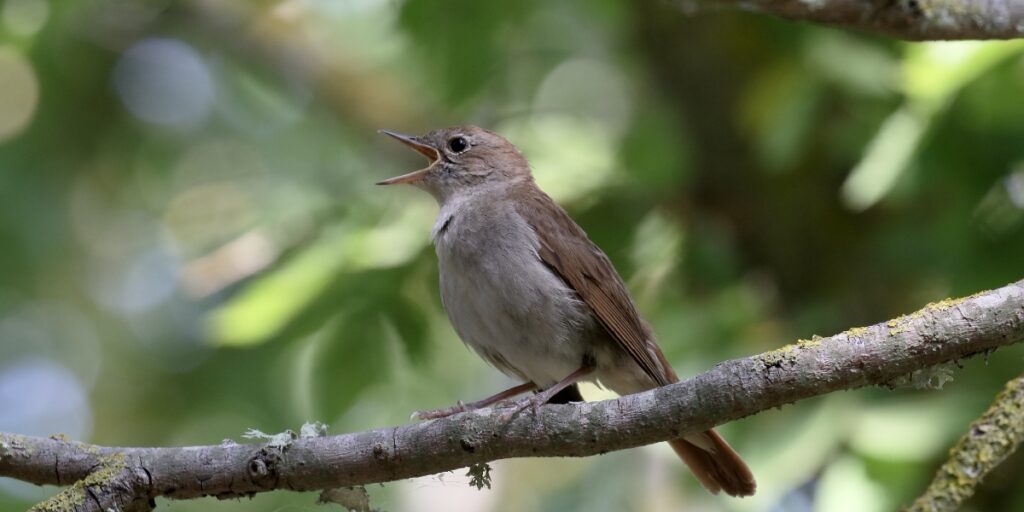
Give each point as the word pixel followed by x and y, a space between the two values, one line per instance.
pixel 991 439
pixel 880 354
pixel 914 20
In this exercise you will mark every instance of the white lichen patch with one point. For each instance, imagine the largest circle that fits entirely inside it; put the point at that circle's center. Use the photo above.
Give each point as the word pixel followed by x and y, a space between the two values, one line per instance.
pixel 281 440
pixel 314 429
pixel 934 377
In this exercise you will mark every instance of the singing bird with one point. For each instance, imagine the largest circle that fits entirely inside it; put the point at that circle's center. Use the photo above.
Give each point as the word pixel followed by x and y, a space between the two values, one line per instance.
pixel 526 289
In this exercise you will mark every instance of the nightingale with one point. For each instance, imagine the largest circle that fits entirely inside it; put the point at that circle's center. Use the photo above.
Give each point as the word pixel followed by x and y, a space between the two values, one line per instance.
pixel 526 289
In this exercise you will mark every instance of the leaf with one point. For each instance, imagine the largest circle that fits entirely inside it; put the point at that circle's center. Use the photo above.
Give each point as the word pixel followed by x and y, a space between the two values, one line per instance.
pixel 411 323
pixel 352 357
pixel 479 475
pixel 461 41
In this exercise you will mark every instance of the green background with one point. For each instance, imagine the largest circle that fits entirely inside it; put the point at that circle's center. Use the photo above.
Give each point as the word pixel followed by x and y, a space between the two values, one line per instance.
pixel 191 244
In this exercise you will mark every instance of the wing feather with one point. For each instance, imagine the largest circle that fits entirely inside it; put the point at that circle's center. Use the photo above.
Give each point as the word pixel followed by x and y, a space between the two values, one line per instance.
pixel 565 248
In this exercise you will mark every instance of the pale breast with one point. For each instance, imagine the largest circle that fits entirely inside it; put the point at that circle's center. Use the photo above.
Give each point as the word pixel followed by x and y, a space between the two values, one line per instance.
pixel 501 299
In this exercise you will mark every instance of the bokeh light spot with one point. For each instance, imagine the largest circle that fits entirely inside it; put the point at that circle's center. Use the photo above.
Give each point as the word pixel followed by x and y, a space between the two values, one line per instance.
pixel 165 82
pixel 20 92
pixel 40 397
pixel 25 17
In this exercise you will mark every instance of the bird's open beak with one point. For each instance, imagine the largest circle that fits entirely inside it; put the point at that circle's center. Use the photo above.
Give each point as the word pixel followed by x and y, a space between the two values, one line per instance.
pixel 422 148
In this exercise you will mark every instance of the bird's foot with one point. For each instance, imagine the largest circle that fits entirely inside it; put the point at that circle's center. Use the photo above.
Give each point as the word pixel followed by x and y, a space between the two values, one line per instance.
pixel 533 402
pixel 500 398
pixel 443 412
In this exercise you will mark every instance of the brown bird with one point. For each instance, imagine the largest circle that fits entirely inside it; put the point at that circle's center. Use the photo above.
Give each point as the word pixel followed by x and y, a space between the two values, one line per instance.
pixel 532 295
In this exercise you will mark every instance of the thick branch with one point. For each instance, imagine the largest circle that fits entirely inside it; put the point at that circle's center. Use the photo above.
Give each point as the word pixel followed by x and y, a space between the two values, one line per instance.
pixel 991 439
pixel 915 20
pixel 111 485
pixel 941 332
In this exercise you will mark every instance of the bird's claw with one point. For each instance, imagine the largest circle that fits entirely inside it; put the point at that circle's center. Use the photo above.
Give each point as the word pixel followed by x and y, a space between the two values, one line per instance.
pixel 444 412
pixel 534 402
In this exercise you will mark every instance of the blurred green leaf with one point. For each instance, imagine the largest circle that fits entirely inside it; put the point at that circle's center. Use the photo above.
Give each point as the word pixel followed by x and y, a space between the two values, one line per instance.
pixel 780 108
pixel 460 42
pixel 934 72
pixel 352 355
pixel 656 152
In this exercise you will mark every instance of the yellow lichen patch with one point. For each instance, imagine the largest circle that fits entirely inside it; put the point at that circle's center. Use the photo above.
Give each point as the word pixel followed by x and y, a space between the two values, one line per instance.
pixel 944 304
pixel 902 324
pixel 948 303
pixel 786 354
pixel 898 328
pixel 60 437
pixel 856 332
pixel 989 440
pixel 813 342
pixel 109 470
pixel 91 449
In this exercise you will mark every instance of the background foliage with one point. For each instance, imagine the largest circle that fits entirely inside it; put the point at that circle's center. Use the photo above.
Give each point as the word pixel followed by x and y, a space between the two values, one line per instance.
pixel 192 244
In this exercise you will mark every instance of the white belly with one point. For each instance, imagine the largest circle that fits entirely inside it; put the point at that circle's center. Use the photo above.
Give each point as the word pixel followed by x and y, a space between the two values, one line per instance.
pixel 501 299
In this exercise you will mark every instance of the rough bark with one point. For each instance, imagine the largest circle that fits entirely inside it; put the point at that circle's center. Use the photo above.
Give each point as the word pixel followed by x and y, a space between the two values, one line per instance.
pixel 914 20
pixel 880 354
pixel 990 439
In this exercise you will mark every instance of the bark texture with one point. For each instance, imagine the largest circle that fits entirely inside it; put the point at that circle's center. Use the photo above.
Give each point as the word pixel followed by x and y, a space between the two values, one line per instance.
pixel 880 354
pixel 914 20
pixel 992 438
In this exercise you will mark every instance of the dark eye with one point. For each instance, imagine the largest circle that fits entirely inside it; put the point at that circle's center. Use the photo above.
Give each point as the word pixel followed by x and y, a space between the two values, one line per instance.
pixel 458 144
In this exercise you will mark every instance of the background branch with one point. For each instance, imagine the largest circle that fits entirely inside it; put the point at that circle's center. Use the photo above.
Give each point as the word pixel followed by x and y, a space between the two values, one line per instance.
pixel 940 332
pixel 988 442
pixel 915 20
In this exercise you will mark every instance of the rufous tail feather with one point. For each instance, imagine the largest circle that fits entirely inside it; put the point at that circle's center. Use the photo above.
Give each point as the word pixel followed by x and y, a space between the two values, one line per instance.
pixel 719 468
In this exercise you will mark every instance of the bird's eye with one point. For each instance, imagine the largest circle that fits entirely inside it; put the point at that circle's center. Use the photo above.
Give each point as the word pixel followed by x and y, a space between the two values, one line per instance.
pixel 458 144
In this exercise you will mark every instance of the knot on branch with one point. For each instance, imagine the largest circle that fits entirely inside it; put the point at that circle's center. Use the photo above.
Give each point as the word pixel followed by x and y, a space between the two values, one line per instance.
pixel 262 467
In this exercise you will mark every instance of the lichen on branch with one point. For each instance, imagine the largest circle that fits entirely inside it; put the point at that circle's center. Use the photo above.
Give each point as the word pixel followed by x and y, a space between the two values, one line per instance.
pixel 880 354
pixel 990 439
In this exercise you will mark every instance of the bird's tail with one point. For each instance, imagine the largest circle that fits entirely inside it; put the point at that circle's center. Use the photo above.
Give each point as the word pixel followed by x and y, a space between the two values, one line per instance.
pixel 715 464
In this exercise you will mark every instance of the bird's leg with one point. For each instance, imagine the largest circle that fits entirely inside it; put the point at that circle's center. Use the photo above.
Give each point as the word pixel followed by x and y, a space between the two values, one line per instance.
pixel 472 406
pixel 543 397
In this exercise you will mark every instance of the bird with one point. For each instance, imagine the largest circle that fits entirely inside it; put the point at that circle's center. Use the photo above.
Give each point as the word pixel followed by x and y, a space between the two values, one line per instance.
pixel 528 291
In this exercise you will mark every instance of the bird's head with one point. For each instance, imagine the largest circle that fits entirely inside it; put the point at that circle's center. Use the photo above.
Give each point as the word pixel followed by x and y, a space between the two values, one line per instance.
pixel 462 159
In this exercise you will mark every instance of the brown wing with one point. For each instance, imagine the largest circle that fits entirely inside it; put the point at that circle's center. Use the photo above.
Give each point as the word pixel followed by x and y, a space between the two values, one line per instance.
pixel 565 248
